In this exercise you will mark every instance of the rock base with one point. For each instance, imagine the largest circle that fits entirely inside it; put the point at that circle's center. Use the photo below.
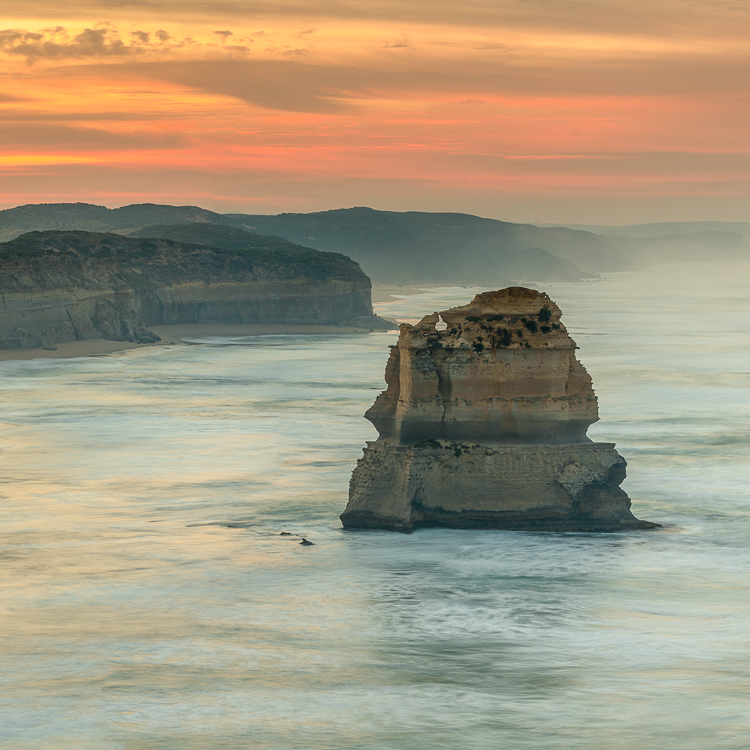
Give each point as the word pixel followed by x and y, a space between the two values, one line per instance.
pixel 570 487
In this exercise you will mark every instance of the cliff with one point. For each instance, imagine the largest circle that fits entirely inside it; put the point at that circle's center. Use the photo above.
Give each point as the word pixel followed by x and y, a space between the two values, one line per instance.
pixel 67 286
pixel 483 425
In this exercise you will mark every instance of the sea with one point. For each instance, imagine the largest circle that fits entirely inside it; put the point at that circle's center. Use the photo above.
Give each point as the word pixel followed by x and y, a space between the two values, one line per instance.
pixel 155 594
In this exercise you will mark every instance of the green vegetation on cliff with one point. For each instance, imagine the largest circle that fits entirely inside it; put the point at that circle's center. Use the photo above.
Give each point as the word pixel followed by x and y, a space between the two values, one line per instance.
pixel 256 248
pixel 257 252
pixel 218 235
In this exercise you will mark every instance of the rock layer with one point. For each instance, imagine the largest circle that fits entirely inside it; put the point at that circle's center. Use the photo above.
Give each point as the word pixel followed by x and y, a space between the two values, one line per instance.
pixel 483 425
pixel 67 286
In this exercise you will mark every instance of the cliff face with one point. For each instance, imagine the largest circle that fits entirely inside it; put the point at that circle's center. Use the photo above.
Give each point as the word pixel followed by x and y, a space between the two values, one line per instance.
pixel 503 370
pixel 67 286
pixel 483 424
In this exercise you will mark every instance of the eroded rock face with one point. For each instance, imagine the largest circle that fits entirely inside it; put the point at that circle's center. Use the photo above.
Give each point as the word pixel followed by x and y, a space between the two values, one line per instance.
pixel 503 371
pixel 483 425
pixel 67 286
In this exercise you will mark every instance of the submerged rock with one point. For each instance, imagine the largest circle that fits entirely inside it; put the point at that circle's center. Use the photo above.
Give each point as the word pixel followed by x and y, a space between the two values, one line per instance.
pixel 483 425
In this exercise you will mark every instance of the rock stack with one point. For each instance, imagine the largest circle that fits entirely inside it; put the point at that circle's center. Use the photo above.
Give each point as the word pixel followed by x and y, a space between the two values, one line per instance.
pixel 483 425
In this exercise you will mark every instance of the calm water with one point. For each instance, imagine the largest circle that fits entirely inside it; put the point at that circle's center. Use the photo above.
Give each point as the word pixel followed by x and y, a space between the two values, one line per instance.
pixel 133 617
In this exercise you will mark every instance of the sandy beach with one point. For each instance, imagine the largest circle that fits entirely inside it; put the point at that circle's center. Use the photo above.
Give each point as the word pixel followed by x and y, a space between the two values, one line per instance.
pixel 174 335
pixel 170 336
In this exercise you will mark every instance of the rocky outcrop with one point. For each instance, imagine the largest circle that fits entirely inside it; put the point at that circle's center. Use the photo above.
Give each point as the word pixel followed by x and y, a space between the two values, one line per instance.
pixel 483 425
pixel 67 286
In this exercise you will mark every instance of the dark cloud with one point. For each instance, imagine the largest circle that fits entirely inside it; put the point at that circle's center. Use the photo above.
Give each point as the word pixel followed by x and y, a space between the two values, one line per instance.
pixel 403 42
pixel 283 85
pixel 293 85
pixel 11 37
pixel 33 115
pixel 51 136
pixel 89 43
pixel 647 18
pixel 101 42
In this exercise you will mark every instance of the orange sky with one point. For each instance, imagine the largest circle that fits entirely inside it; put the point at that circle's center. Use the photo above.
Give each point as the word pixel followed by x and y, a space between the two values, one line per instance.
pixel 606 111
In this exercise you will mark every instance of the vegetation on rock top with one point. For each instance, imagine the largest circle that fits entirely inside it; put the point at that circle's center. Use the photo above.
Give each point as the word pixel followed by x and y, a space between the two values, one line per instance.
pixel 254 253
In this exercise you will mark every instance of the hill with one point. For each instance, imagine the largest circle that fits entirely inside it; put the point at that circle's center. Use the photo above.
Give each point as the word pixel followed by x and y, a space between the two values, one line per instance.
pixel 418 246
pixel 387 260
pixel 675 241
pixel 390 246
pixel 402 247
pixel 661 228
pixel 88 217
pixel 382 240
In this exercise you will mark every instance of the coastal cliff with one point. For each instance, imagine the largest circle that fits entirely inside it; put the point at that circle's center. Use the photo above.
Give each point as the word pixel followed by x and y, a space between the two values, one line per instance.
pixel 483 425
pixel 57 287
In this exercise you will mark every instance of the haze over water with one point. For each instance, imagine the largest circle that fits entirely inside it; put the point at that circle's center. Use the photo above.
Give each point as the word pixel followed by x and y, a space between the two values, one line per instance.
pixel 133 618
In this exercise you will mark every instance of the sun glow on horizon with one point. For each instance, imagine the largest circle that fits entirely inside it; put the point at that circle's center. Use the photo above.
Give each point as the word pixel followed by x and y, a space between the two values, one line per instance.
pixel 524 105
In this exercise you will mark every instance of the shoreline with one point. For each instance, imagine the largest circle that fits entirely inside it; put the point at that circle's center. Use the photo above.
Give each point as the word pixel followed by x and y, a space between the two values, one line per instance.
pixel 389 292
pixel 171 336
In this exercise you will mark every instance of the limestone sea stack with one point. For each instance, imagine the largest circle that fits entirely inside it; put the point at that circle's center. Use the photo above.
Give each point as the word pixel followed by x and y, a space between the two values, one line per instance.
pixel 483 425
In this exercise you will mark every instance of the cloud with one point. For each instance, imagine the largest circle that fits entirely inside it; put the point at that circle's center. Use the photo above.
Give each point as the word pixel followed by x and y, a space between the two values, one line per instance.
pixel 523 95
pixel 106 42
pixel 580 17
pixel 18 114
pixel 55 44
pixel 46 137
pixel 283 85
pixel 403 42
pixel 297 86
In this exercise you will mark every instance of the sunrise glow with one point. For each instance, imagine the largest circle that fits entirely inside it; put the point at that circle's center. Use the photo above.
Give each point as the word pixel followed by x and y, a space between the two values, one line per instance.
pixel 389 106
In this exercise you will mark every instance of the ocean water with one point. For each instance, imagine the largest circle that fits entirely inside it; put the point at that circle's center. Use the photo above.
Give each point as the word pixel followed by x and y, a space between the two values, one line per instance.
pixel 149 601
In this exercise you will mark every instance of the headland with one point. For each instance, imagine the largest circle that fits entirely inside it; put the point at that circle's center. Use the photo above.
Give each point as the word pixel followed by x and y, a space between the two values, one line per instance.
pixel 60 288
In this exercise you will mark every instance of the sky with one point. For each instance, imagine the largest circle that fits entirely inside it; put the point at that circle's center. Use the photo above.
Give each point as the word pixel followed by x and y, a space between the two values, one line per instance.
pixel 582 111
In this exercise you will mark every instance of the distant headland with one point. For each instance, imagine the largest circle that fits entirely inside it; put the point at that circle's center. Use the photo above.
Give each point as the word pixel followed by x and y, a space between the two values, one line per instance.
pixel 403 247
